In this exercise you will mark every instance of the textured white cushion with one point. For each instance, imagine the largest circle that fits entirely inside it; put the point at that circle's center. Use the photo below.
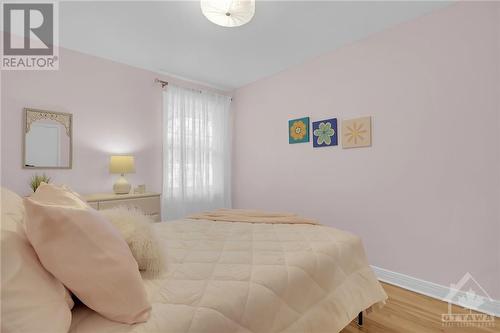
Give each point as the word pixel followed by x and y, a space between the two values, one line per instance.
pixel 33 300
pixel 136 228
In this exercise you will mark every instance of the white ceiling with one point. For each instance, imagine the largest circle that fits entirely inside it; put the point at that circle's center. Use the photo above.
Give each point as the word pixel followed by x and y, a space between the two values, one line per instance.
pixel 174 37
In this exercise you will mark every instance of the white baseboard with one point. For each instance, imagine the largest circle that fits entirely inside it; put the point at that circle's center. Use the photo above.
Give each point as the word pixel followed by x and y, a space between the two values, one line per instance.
pixel 490 306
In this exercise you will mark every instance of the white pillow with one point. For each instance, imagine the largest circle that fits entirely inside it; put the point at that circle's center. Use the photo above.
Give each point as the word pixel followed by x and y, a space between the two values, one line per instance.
pixel 136 228
pixel 12 205
pixel 33 300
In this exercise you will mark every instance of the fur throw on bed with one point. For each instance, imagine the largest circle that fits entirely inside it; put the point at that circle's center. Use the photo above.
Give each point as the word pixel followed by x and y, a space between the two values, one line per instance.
pixel 136 228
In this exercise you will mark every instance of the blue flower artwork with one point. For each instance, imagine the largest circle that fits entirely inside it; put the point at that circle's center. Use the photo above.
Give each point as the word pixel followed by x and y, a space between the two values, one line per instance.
pixel 325 133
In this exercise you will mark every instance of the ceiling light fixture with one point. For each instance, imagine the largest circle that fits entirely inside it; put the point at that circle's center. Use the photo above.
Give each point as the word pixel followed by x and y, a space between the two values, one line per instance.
pixel 228 13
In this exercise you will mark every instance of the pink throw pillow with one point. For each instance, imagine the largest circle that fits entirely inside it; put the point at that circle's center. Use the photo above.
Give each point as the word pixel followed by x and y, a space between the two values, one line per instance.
pixel 86 253
pixel 33 300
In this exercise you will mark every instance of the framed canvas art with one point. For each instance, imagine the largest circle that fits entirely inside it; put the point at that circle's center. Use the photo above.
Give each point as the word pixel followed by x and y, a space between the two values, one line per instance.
pixel 325 133
pixel 357 132
pixel 298 130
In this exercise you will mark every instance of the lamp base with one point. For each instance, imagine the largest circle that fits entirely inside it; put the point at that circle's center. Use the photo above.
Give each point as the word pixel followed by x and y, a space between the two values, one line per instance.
pixel 121 186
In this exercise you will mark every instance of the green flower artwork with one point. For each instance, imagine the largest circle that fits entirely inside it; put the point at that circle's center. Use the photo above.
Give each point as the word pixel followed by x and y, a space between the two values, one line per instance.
pixel 325 133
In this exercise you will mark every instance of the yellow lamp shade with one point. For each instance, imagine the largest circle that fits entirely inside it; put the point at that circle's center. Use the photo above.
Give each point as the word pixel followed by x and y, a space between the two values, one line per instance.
pixel 121 164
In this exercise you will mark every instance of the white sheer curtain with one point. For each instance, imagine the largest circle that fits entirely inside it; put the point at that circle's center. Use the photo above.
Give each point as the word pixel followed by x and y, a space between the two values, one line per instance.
pixel 196 152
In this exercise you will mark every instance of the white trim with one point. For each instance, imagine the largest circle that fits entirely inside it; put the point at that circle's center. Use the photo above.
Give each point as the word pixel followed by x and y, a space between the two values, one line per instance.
pixel 431 289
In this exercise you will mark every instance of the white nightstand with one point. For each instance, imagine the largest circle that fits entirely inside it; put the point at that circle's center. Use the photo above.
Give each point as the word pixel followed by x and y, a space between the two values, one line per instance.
pixel 149 203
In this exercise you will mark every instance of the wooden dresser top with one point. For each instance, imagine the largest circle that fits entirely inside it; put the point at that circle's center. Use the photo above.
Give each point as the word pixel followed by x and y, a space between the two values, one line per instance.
pixel 111 196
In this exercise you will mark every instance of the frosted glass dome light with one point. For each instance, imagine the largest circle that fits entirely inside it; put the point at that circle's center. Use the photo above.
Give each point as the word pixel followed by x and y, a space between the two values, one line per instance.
pixel 228 13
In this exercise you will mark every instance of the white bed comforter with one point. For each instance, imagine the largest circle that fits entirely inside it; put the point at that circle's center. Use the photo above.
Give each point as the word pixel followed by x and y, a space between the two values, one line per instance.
pixel 261 278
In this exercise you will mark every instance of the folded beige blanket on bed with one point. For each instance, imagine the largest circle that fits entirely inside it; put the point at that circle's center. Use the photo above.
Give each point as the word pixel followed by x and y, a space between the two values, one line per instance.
pixel 251 216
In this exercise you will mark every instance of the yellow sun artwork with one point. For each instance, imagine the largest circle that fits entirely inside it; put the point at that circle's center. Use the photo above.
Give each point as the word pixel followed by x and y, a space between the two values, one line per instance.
pixel 357 132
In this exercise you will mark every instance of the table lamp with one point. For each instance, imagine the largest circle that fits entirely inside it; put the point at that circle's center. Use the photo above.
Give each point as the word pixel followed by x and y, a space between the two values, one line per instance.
pixel 121 164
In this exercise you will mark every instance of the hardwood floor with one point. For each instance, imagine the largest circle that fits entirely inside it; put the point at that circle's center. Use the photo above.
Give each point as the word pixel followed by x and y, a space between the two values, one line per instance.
pixel 409 312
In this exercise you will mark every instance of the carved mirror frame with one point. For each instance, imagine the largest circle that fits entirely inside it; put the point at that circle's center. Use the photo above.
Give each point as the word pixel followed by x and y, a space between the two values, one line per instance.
pixel 65 119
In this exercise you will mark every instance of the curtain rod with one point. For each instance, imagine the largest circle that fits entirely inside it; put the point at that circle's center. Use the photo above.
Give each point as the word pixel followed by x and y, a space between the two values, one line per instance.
pixel 165 83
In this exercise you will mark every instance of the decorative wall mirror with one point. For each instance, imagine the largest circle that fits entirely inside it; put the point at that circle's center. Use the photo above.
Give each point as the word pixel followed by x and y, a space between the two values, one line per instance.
pixel 48 140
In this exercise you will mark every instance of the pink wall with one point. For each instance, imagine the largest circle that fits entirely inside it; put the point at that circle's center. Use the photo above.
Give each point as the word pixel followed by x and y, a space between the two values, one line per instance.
pixel 425 198
pixel 116 109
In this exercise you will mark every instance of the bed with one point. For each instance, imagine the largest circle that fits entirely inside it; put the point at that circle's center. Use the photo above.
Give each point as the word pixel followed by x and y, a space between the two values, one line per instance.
pixel 252 278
